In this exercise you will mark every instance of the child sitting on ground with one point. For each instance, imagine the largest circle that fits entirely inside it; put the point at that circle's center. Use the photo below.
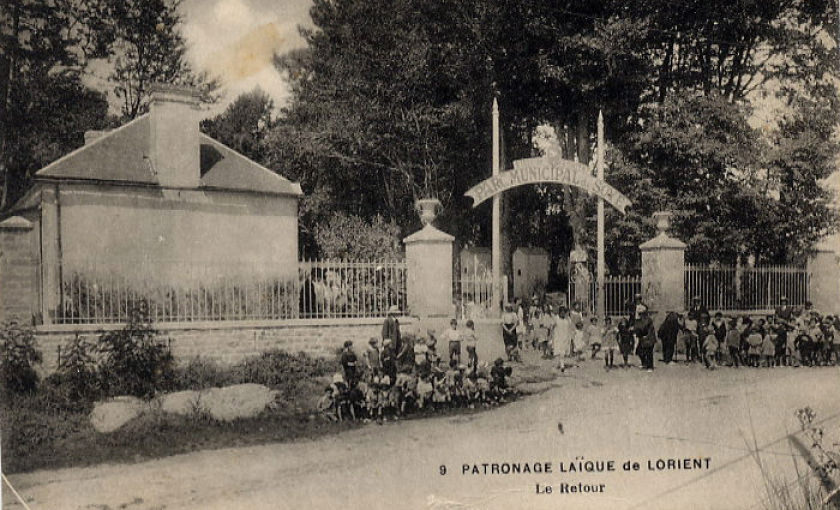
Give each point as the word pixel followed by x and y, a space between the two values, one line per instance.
pixel 710 347
pixel 326 405
pixel 498 382
pixel 424 391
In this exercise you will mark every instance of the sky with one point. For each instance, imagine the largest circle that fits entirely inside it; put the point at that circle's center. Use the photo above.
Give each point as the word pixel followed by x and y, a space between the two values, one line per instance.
pixel 237 39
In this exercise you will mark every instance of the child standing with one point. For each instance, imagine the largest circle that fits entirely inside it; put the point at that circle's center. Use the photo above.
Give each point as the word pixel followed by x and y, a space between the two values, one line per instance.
pixel 348 363
pixel 580 340
pixel 690 338
pixel 453 336
pixel 470 342
pixel 625 340
pixel 733 344
pixel 768 348
pixel 594 336
pixel 372 355
pixel 754 341
pixel 610 336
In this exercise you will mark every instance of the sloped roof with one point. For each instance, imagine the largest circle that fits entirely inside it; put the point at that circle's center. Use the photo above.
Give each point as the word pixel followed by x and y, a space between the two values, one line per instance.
pixel 122 155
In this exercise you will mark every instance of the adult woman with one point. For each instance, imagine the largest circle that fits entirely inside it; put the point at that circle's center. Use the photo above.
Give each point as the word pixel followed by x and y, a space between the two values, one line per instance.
pixel 561 336
pixel 509 322
pixel 646 335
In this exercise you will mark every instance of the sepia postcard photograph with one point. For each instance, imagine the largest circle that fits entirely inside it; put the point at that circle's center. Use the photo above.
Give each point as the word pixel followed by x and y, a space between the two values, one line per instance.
pixel 420 254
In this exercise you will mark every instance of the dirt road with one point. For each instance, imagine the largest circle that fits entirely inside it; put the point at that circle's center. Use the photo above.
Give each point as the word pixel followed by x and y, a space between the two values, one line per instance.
pixel 675 413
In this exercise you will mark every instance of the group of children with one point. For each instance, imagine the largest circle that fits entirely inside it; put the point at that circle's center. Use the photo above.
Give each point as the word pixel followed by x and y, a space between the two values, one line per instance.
pixel 804 339
pixel 393 380
pixel 789 337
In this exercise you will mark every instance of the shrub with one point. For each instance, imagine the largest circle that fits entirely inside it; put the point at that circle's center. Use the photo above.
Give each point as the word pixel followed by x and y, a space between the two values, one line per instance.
pixel 201 373
pixel 18 355
pixel 135 361
pixel 276 367
pixel 75 383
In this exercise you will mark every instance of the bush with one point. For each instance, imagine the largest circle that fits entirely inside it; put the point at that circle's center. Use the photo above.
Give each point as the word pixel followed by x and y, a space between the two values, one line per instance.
pixel 18 355
pixel 75 384
pixel 201 373
pixel 135 362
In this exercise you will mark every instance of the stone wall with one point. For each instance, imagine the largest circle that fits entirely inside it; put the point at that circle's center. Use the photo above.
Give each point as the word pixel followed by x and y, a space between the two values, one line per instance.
pixel 231 343
pixel 18 271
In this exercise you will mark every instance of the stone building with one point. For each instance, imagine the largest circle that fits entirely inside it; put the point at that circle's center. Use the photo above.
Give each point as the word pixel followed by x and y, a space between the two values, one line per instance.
pixel 144 202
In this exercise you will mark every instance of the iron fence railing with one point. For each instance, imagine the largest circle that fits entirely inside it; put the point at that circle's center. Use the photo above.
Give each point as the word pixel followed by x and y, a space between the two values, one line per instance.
pixel 105 292
pixel 745 288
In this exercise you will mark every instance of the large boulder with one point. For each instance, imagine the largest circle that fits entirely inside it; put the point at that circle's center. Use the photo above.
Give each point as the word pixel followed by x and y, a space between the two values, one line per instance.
pixel 109 416
pixel 238 401
pixel 184 403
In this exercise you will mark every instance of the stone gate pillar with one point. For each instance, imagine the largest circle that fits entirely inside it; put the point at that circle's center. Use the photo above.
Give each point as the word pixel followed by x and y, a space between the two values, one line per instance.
pixel 428 257
pixel 18 271
pixel 663 271
pixel 824 277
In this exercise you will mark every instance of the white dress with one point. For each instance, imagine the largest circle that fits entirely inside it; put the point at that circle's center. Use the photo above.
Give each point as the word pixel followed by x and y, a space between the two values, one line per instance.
pixel 562 336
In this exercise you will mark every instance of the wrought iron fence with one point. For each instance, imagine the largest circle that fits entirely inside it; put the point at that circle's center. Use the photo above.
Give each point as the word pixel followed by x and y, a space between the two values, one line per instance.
pixel 104 292
pixel 618 291
pixel 473 296
pixel 745 288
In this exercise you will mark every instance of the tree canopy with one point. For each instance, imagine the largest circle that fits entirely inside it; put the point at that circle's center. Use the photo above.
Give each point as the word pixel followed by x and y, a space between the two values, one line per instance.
pixel 383 113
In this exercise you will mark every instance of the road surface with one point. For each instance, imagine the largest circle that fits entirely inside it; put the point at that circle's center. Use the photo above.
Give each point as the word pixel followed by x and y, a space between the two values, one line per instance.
pixel 717 420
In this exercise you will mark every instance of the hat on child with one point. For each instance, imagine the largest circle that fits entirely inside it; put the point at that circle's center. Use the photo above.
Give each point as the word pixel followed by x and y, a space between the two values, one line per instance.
pixel 393 309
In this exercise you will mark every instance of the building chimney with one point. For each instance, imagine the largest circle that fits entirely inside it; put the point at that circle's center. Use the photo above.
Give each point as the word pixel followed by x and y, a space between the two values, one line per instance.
pixel 174 143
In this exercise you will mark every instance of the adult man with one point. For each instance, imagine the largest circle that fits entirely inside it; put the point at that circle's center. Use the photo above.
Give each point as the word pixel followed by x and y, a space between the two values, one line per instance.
pixel 391 328
pixel 646 334
pixel 784 312
pixel 630 307
pixel 699 312
pixel 509 323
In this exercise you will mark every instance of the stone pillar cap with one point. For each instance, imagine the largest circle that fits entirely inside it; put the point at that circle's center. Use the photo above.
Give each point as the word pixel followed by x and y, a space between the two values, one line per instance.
pixel 429 234
pixel 15 223
pixel 663 242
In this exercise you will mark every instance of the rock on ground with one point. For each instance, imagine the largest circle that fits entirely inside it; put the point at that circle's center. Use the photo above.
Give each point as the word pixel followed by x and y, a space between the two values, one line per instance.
pixel 238 401
pixel 183 403
pixel 111 415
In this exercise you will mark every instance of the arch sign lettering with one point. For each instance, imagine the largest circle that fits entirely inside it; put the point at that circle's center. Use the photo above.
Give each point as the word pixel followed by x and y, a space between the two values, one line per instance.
pixel 550 169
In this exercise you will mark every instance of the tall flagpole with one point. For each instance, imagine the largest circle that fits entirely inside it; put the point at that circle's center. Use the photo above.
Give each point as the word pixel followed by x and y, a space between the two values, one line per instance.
pixel 601 305
pixel 497 232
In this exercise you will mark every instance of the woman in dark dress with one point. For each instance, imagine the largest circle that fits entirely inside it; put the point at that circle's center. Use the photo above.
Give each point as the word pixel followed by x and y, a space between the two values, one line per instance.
pixel 646 333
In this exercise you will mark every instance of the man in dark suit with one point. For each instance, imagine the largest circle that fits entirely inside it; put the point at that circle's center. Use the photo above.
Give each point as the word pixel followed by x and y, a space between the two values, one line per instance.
pixel 391 328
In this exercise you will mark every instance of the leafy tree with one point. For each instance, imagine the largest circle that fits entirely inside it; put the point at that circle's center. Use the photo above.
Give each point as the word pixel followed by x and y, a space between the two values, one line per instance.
pixel 385 112
pixel 149 49
pixel 44 108
pixel 245 124
pixel 351 237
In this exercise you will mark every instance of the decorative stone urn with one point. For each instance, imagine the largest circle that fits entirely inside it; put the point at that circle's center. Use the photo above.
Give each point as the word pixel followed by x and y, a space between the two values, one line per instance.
pixel 663 221
pixel 428 209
